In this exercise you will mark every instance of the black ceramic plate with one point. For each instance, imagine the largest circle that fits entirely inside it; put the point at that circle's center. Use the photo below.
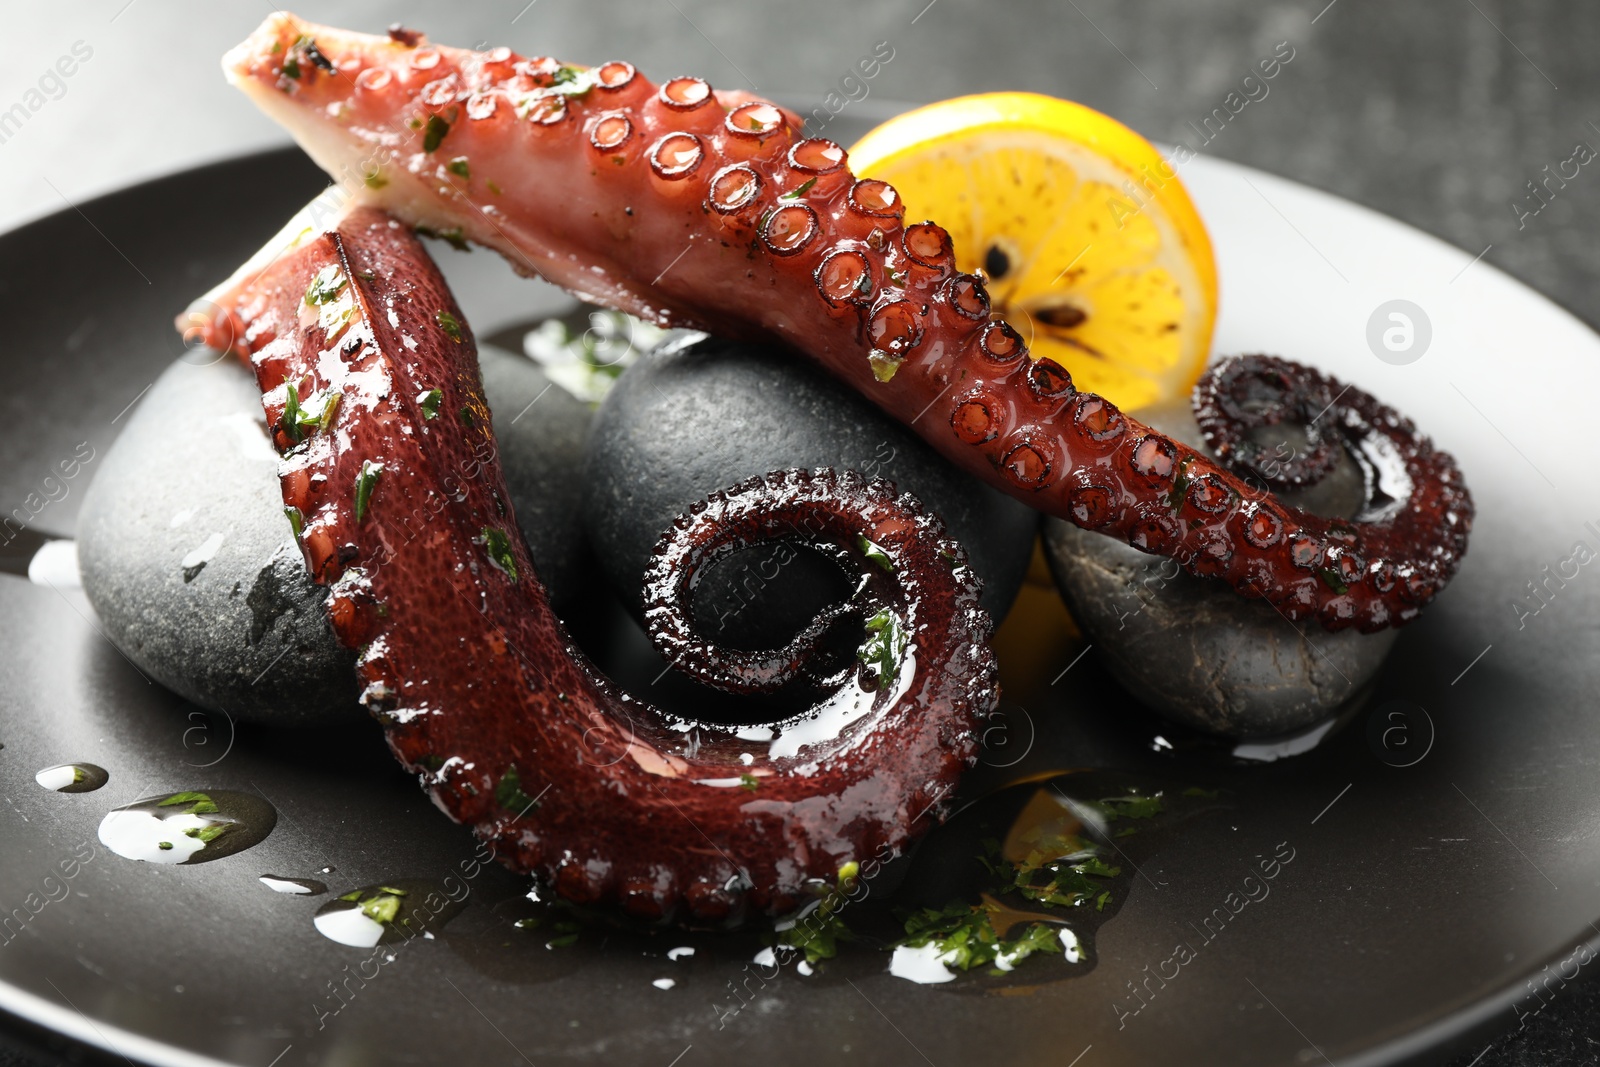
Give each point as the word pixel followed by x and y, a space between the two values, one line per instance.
pixel 1418 902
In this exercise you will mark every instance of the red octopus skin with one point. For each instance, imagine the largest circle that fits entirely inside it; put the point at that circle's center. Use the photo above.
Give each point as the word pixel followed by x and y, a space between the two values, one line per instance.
pixel 480 689
pixel 691 207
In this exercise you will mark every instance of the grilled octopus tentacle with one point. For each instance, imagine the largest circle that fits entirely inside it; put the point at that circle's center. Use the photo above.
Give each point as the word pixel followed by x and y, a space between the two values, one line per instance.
pixel 371 387
pixel 693 207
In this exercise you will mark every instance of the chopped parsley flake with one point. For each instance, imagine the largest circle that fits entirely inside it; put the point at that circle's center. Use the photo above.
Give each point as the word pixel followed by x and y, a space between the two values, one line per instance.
pixel 434 133
pixel 460 167
pixel 875 554
pixel 326 286
pixel 297 521
pixel 509 795
pixel 572 81
pixel 749 782
pixel 1180 485
pixel 884 364
pixel 449 324
pixel 316 414
pixel 966 936
pixel 201 804
pixel 374 179
pixel 885 646
pixel 799 191
pixel 428 401
pixel 366 481
pixel 383 908
pixel 207 834
pixel 453 236
pixel 499 546
pixel 493 188
pixel 1332 580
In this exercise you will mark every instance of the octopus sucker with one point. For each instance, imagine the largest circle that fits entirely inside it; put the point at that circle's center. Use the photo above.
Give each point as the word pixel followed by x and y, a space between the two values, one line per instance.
pixel 486 699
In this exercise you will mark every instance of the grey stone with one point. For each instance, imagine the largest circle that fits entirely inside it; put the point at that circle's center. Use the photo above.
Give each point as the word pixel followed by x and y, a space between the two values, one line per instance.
pixel 190 563
pixel 701 414
pixel 1192 649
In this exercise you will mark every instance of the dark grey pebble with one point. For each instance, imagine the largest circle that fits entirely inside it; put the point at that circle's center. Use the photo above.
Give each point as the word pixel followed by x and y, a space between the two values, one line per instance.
pixel 190 563
pixel 1196 652
pixel 700 414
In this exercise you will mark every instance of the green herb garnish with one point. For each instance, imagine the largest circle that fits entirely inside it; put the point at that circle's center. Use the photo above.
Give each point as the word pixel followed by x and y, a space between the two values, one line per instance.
pixel 366 481
pixel 202 804
pixel 493 188
pixel 509 795
pixel 297 521
pixel 571 81
pixel 567 934
pixel 428 401
pixel 1180 485
pixel 459 167
pixel 456 239
pixel 434 133
pixel 875 554
pixel 966 936
pixel 1332 580
pixel 207 834
pixel 384 907
pixel 800 190
pixel 374 179
pixel 884 647
pixel 164 846
pixel 1131 806
pixel 499 546
pixel 326 286
pixel 749 782
pixel 884 364
pixel 449 324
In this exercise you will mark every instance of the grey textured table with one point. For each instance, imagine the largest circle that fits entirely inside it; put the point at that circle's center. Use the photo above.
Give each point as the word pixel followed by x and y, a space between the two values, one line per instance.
pixel 1439 113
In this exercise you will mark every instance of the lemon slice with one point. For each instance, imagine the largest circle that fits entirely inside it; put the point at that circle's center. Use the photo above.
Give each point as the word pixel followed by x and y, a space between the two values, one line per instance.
pixel 1092 248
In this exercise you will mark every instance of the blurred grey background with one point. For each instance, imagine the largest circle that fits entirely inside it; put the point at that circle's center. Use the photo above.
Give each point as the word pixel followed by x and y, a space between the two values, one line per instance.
pixel 1438 112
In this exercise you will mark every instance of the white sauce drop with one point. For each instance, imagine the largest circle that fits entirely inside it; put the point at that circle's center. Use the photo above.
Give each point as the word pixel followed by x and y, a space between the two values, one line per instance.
pixel 1069 941
pixel 924 965
pixel 286 885
pixel 203 554
pixel 664 983
pixel 56 565
pixel 57 778
pixel 679 953
pixel 139 835
pixel 349 926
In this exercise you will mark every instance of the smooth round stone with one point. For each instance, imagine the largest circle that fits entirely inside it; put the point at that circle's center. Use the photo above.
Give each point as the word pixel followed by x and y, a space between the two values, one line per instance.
pixel 700 414
pixel 1192 649
pixel 188 559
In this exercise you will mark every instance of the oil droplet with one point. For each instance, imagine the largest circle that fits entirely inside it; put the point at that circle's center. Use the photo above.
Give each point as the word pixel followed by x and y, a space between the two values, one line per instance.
pixel 188 827
pixel 302 887
pixel 73 778
pixel 386 913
